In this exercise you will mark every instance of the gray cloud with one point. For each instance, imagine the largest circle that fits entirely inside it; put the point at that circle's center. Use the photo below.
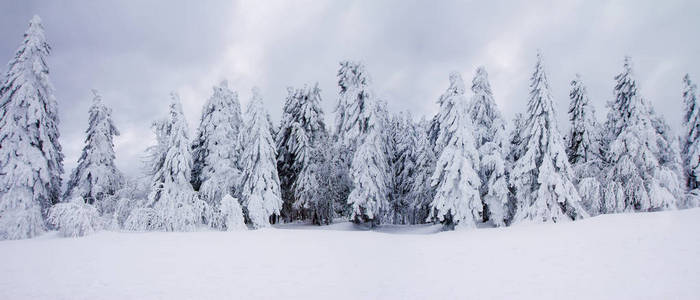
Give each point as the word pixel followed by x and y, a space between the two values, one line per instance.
pixel 135 52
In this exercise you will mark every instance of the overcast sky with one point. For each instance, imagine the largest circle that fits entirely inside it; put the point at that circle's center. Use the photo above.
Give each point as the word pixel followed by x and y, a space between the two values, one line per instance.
pixel 136 52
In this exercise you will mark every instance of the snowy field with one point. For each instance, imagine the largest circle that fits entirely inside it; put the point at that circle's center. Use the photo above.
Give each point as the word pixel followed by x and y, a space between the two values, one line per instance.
pixel 627 256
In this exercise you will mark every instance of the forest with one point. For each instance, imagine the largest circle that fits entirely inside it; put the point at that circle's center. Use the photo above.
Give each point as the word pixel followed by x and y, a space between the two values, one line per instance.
pixel 460 168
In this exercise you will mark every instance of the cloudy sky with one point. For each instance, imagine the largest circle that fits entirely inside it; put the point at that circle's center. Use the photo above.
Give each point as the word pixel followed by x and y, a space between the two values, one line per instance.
pixel 136 52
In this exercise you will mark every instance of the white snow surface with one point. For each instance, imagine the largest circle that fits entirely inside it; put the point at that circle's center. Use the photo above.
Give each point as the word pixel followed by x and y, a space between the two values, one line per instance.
pixel 622 256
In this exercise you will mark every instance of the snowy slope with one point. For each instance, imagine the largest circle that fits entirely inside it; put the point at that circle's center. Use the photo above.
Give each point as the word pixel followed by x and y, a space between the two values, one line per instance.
pixel 626 256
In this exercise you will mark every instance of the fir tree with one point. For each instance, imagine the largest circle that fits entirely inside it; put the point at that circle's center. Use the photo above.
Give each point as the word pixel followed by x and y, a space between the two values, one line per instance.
pixel 457 199
pixel 172 204
pixel 637 176
pixel 421 192
pixel 311 136
pixel 490 138
pixel 217 146
pixel 369 170
pixel 287 168
pixel 354 84
pixel 584 147
pixel 31 162
pixel 690 140
pixel 542 175
pixel 302 132
pixel 96 176
pixel 404 147
pixel 260 186
pixel 583 138
pixel 436 134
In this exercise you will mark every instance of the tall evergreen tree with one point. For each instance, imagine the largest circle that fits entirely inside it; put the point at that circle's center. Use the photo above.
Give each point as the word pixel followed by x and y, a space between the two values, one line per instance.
pixel 404 151
pixel 300 157
pixel 354 83
pixel 172 204
pixel 260 186
pixel 31 160
pixel 96 176
pixel 542 176
pixel 690 139
pixel 637 179
pixel 583 147
pixel 217 146
pixel 583 139
pixel 490 138
pixel 287 168
pixel 435 133
pixel 456 180
pixel 370 168
pixel 421 192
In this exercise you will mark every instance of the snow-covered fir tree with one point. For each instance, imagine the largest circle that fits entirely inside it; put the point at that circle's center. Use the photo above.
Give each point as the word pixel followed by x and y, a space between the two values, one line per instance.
pixel 287 168
pixel 421 193
pixel 354 84
pixel 352 105
pixel 300 158
pixel 310 159
pixel 370 169
pixel 403 142
pixel 260 186
pixel 542 175
pixel 96 176
pixel 691 141
pixel 217 146
pixel 172 204
pixel 31 161
pixel 583 138
pixel 583 147
pixel 491 142
pixel 669 156
pixel 637 175
pixel 456 180
pixel 435 133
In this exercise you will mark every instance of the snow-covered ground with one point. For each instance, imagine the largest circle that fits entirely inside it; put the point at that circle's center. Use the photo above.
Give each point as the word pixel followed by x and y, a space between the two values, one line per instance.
pixel 626 256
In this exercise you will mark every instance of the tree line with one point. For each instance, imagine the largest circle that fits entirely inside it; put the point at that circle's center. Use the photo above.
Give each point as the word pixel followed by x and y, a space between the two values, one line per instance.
pixel 373 167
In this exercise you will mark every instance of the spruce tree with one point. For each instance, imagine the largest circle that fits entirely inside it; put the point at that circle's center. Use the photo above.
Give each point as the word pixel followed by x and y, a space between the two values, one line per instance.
pixel 369 170
pixel 299 156
pixel 637 175
pixel 309 189
pixel 457 200
pixel 422 193
pixel 172 204
pixel 260 186
pixel 404 151
pixel 583 147
pixel 354 83
pixel 542 175
pixel 96 176
pixel 436 134
pixel 217 146
pixel 287 169
pixel 490 138
pixel 690 140
pixel 31 160
pixel 583 138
